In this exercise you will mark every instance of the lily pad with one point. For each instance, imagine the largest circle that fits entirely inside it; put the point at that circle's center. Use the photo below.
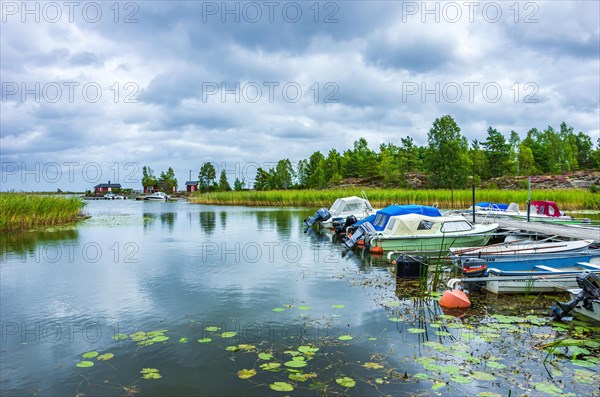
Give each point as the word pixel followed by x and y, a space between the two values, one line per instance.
pixel 345 381
pixel 450 369
pixel 85 364
pixel 246 373
pixel 300 377
pixel 548 388
pixel 305 307
pixel 278 309
pixel 204 340
pixel 438 385
pixel 371 365
pixel 421 376
pixel 584 363
pixel 415 330
pixel 295 363
pixel 461 379
pixel 105 357
pixel 338 306
pixel 183 340
pixel 232 348
pixel 150 373
pixel 395 319
pixel 265 356
pixel 89 354
pixel 120 337
pixel 345 337
pixel 281 386
pixel 494 364
pixel 229 334
pixel 270 366
pixel 211 328
pixel 160 338
pixel 488 394
pixel 308 349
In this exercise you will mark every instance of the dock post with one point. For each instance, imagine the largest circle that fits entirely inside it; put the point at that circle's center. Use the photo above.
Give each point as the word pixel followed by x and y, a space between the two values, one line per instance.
pixel 528 197
pixel 473 203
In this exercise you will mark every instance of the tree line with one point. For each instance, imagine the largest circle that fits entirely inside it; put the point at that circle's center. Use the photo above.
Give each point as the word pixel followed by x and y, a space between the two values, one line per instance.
pixel 447 161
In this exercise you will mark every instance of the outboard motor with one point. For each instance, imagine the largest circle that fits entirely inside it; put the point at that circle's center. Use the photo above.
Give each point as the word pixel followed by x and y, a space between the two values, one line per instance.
pixel 321 215
pixel 590 290
pixel 474 267
pixel 363 231
pixel 350 220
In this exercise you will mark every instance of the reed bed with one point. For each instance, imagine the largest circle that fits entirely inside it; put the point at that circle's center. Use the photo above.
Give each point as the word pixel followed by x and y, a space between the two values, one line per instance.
pixel 19 211
pixel 567 199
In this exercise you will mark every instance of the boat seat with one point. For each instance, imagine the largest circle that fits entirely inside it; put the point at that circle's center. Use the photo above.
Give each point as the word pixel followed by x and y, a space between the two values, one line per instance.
pixel 589 265
pixel 546 268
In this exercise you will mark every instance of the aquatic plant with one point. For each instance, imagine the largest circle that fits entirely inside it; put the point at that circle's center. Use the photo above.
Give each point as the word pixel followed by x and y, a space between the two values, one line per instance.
pixel 19 211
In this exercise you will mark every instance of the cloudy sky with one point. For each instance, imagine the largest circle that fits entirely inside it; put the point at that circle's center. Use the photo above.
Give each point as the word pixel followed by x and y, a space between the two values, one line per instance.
pixel 92 91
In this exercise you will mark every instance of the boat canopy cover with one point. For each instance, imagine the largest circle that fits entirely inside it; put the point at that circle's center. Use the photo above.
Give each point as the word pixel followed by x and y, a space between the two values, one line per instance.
pixel 351 204
pixel 548 208
pixel 415 224
pixel 383 215
pixel 370 219
pixel 492 206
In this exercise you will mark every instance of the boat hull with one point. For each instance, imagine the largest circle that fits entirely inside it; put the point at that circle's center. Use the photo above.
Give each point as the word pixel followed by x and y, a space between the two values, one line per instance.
pixel 534 263
pixel 434 244
pixel 532 281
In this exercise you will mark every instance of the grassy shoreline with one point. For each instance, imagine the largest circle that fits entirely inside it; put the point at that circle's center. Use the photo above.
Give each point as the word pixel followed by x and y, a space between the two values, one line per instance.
pixel 567 199
pixel 19 211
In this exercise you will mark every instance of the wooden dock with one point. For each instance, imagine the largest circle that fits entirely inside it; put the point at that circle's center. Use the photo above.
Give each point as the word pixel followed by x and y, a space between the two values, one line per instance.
pixel 568 232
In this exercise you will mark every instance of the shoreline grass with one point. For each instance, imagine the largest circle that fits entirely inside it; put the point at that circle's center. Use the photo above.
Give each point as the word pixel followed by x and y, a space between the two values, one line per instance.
pixel 19 211
pixel 567 199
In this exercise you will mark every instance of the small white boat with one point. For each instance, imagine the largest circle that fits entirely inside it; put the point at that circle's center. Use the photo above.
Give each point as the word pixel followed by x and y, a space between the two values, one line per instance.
pixel 157 196
pixel 520 249
pixel 342 208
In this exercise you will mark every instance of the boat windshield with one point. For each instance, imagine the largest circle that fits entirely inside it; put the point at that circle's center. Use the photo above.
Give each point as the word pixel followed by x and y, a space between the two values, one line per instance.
pixel 353 207
pixel 336 205
pixel 456 226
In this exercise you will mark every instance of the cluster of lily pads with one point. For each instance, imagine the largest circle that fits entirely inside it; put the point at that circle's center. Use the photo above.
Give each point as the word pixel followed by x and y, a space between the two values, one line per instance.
pixel 458 353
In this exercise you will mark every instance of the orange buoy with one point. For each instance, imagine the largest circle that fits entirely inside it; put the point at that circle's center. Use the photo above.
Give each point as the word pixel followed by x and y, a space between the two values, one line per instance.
pixel 360 243
pixel 376 250
pixel 455 299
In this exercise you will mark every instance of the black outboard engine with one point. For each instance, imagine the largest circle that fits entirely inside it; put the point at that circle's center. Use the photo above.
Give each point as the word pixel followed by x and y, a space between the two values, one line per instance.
pixel 590 290
pixel 471 268
pixel 321 215
pixel 350 220
pixel 362 231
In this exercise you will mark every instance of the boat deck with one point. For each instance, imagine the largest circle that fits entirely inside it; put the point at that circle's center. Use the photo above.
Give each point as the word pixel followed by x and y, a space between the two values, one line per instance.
pixel 569 232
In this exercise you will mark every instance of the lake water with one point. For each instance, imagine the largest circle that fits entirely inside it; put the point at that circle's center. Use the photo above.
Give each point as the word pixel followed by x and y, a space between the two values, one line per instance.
pixel 177 299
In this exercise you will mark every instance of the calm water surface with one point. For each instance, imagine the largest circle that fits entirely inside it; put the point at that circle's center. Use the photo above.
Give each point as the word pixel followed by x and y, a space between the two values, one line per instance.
pixel 246 281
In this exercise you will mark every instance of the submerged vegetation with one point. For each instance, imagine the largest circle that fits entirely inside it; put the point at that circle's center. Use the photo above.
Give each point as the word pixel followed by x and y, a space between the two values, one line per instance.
pixel 568 199
pixel 25 211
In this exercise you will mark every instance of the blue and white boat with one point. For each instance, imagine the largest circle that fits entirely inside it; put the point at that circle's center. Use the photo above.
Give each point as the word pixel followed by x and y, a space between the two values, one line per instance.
pixel 379 221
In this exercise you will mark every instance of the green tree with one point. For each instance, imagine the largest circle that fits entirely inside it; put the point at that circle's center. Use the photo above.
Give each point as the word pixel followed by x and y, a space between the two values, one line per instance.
pixel 334 167
pixel 148 178
pixel 223 182
pixel 526 160
pixel 167 181
pixel 585 150
pixel 316 171
pixel 410 160
pixel 479 162
pixel 206 177
pixel 388 165
pixel 238 185
pixel 283 174
pixel 497 152
pixel 448 162
pixel 262 180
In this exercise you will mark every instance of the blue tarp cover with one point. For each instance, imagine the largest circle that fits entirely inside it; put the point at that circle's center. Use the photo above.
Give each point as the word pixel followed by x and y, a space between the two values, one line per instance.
pixel 381 218
pixel 492 206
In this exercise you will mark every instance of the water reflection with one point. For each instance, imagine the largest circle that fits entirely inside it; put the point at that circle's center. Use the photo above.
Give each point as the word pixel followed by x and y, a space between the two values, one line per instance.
pixel 28 242
pixel 168 219
pixel 208 221
pixel 149 219
pixel 223 219
pixel 280 221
